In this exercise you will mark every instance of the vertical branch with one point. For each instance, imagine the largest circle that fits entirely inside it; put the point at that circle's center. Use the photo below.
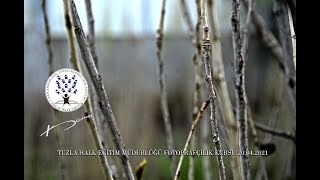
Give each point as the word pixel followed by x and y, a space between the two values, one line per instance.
pixel 91 34
pixel 61 160
pixel 87 107
pixel 206 52
pixel 187 18
pixel 246 30
pixel 48 35
pixel 101 93
pixel 222 89
pixel 241 114
pixel 197 82
pixel 99 117
pixel 193 128
pixel 205 127
pixel 204 133
pixel 164 103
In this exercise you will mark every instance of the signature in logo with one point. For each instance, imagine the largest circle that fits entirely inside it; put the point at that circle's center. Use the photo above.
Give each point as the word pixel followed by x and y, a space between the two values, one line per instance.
pixel 72 122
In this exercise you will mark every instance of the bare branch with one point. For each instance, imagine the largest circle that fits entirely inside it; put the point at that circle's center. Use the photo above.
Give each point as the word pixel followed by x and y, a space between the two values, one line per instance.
pixel 88 107
pixel 48 35
pixel 246 30
pixel 241 99
pixel 206 54
pixel 91 34
pixel 193 128
pixel 59 139
pixel 204 133
pixel 101 93
pixel 163 94
pixel 197 87
pixel 280 133
pixel 101 127
pixel 186 16
pixel 222 89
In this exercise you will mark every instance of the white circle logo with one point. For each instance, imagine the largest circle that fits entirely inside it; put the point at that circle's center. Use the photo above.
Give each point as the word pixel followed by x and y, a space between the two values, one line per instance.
pixel 66 90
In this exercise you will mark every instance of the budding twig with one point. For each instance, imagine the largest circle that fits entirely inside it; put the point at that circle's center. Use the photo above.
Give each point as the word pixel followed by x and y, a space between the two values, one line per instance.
pixel 206 55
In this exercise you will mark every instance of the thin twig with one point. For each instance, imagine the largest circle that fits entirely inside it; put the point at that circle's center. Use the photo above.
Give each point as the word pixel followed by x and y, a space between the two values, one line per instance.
pixel 197 87
pixel 206 53
pixel 163 93
pixel 280 133
pixel 222 89
pixel 98 115
pixel 205 127
pixel 246 30
pixel 193 128
pixel 187 18
pixel 204 132
pixel 61 159
pixel 204 140
pixel 91 34
pixel 241 100
pixel 48 35
pixel 88 106
pixel 246 56
pixel 101 93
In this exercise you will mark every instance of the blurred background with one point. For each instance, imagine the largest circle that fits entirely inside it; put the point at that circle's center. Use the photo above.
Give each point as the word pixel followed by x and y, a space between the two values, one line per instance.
pixel 125 43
